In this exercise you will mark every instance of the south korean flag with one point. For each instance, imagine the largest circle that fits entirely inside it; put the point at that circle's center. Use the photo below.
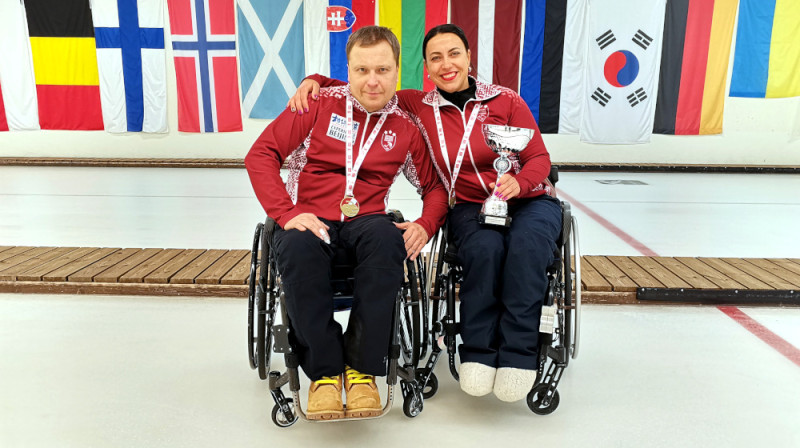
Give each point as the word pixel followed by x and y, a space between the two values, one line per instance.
pixel 623 58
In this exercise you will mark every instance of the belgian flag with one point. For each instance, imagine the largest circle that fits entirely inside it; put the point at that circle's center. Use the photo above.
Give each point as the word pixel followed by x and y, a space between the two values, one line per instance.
pixel 65 64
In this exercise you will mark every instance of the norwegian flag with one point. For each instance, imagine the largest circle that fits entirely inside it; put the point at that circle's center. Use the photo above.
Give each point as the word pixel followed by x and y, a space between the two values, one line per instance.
pixel 204 45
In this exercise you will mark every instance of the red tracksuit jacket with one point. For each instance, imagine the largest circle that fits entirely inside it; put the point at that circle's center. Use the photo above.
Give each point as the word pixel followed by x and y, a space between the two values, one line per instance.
pixel 499 106
pixel 314 143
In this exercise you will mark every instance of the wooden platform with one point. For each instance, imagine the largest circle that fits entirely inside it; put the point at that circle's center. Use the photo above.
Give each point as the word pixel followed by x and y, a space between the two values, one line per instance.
pixel 224 273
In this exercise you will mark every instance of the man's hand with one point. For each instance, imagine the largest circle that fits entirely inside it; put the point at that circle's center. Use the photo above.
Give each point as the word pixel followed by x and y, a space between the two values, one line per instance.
pixel 307 221
pixel 507 187
pixel 300 99
pixel 415 237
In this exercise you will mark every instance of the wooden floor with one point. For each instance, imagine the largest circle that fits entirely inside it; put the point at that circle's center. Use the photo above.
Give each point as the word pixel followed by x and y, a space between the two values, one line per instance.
pixel 198 272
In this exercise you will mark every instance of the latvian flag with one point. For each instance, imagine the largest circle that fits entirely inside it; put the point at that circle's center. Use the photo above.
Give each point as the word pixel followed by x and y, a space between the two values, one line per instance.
pixel 204 45
pixel 694 66
pixel 65 64
pixel 410 20
pixel 18 108
pixel 326 27
pixel 494 30
pixel 553 53
pixel 131 59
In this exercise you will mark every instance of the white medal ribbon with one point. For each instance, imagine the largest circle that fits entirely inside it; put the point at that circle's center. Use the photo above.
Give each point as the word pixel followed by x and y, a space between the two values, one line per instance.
pixel 352 169
pixel 462 149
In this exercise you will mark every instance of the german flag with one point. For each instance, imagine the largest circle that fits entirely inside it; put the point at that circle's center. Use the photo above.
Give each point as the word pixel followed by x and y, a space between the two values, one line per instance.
pixel 65 64
pixel 694 66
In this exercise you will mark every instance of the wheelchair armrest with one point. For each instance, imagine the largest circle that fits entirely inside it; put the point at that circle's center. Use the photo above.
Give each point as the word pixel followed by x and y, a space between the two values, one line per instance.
pixel 269 227
pixel 396 215
pixel 553 176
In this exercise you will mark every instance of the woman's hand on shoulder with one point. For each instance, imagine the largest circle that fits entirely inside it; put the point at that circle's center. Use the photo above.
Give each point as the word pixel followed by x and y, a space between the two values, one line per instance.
pixel 299 102
pixel 507 187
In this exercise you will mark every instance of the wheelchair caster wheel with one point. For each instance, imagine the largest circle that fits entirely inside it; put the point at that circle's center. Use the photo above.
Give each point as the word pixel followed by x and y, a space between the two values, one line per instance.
pixel 412 405
pixel 536 399
pixel 431 387
pixel 280 419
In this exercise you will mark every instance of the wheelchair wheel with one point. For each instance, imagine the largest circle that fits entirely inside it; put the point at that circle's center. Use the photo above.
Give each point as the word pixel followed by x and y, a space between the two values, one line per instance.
pixel 265 299
pixel 536 398
pixel 410 333
pixel 280 419
pixel 412 404
pixel 251 297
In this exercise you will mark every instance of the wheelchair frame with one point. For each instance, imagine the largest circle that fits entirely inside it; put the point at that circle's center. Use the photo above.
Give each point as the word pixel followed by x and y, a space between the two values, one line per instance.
pixel 559 329
pixel 266 297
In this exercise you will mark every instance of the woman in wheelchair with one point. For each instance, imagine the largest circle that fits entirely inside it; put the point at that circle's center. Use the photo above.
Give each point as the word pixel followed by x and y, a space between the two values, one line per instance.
pixel 331 201
pixel 504 265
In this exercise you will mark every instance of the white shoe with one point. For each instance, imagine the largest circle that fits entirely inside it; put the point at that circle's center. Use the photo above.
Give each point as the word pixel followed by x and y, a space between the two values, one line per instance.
pixel 512 384
pixel 476 379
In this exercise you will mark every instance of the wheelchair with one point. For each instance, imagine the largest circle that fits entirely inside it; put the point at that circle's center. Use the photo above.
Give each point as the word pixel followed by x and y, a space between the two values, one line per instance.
pixel 559 328
pixel 264 335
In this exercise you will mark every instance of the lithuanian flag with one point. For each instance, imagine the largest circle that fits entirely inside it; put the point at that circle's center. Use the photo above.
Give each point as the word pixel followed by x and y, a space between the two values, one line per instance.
pixel 65 64
pixel 410 20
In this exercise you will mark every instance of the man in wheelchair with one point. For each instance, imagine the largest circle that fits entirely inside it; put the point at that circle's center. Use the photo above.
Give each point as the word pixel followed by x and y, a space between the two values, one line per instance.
pixel 343 154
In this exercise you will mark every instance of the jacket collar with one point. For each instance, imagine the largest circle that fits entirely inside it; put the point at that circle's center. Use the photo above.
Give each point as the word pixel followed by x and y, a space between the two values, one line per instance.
pixel 483 92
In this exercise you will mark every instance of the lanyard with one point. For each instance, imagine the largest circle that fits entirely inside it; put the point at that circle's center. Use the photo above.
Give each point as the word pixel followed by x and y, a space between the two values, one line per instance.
pixel 352 170
pixel 461 149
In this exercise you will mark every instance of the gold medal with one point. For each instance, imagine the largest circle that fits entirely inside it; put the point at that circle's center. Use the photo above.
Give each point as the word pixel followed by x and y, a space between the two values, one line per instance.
pixel 349 206
pixel 452 201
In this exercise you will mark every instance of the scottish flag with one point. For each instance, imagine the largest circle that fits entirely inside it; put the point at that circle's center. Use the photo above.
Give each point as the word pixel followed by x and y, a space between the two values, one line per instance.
pixel 271 54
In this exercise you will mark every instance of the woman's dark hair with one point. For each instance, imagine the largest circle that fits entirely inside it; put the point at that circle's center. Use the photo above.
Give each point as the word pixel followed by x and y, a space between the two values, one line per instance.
pixel 443 29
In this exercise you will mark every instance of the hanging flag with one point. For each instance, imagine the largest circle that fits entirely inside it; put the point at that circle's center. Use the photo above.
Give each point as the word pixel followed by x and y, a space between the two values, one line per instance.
pixel 3 121
pixel 132 65
pixel 623 56
pixel 326 27
pixel 204 45
pixel 694 66
pixel 766 62
pixel 65 64
pixel 410 20
pixel 16 69
pixel 271 54
pixel 554 49
pixel 494 32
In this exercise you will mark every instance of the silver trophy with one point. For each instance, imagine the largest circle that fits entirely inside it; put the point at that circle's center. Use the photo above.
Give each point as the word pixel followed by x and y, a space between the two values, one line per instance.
pixel 504 140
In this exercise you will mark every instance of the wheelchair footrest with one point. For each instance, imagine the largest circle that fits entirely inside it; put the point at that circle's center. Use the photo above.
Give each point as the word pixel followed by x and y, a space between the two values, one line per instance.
pixel 548 322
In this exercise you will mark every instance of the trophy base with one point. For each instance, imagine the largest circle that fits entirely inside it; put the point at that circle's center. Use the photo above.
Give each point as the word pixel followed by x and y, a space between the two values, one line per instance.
pixel 504 221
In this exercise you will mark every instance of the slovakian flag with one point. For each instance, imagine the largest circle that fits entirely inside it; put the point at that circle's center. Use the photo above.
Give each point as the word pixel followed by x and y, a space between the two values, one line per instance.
pixel 623 58
pixel 410 20
pixel 65 64
pixel 553 54
pixel 204 46
pixel 694 66
pixel 132 64
pixel 270 54
pixel 327 25
pixel 766 62
pixel 494 32
pixel 18 108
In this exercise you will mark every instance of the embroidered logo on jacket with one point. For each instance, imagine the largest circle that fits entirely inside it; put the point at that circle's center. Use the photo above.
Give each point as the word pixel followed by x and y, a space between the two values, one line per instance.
pixel 483 114
pixel 388 140
pixel 337 128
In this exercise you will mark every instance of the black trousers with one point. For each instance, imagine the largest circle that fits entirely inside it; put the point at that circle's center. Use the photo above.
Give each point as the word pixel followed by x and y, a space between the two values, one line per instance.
pixel 304 263
pixel 505 280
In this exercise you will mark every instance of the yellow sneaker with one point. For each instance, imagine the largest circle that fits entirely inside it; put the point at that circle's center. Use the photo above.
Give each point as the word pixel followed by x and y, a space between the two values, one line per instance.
pixel 363 399
pixel 325 399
